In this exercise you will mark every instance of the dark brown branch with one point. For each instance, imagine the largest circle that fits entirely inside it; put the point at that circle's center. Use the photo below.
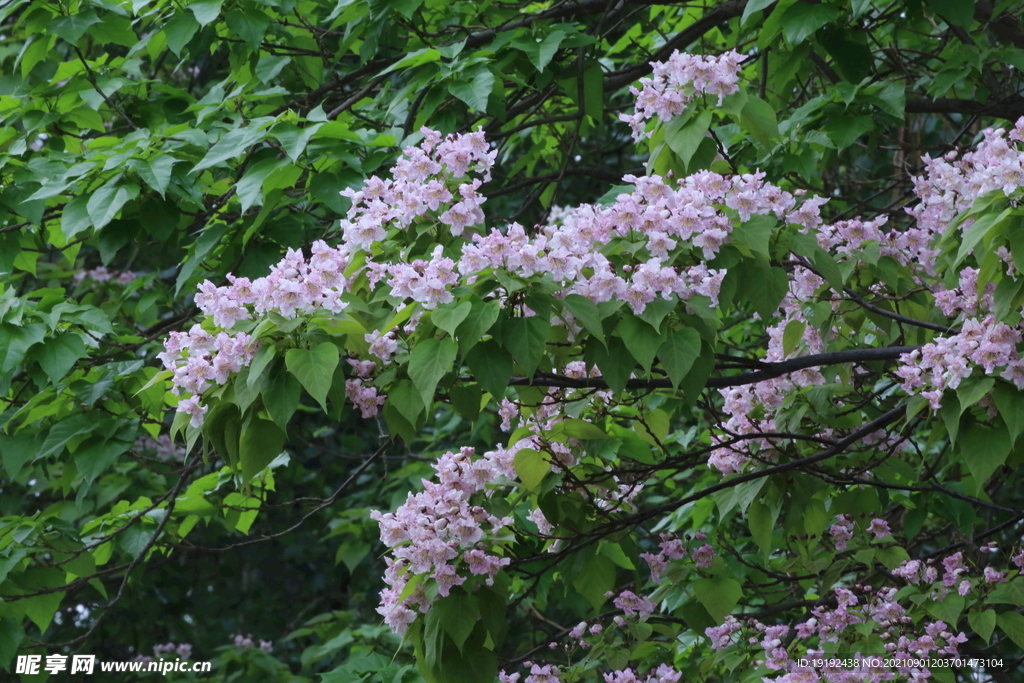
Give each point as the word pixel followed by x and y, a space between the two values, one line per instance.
pixel 767 371
pixel 1010 108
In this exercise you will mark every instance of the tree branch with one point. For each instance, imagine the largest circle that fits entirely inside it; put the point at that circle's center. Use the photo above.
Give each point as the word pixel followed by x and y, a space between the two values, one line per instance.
pixel 767 371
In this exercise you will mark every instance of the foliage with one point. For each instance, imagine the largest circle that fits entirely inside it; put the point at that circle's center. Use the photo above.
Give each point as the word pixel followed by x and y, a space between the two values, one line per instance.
pixel 277 350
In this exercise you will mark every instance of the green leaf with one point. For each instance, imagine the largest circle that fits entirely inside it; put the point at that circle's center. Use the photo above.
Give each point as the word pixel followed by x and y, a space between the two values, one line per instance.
pixel 792 336
pixel 755 6
pixel 826 265
pixel 892 556
pixel 222 427
pixel 231 145
pixel 314 369
pixel 957 12
pixel 739 496
pixel 685 137
pixel 586 314
pixel 756 233
pixel 773 284
pixel 718 595
pixel 1010 403
pixel 205 11
pixel 59 354
pixel 540 50
pixel 526 339
pixel 134 539
pixel 758 118
pixel 75 217
pixel 983 623
pixel 294 139
pixel 466 399
pixel 613 551
pixel 531 466
pixel 105 202
pixel 641 340
pixel 593 93
pixel 179 31
pixel 270 66
pixel 250 187
pixel 474 91
pixel 457 614
pixel 73 27
pixel 404 396
pixel 1010 593
pixel 860 7
pixel 449 318
pixel 16 450
pixel 581 429
pixel 281 395
pixel 41 608
pixel 428 363
pixel 491 366
pixel 95 455
pixel 11 635
pixel 984 449
pixel 1012 624
pixel 801 20
pixel 156 171
pixel 261 442
pixel 761 521
pixel 263 358
pixel 481 318
pixel 972 390
pixel 656 312
pixel 948 609
pixel 614 362
pixel 250 25
pixel 64 431
pixel 656 428
pixel 594 579
pixel 678 352
pixel 844 130
pixel 978 231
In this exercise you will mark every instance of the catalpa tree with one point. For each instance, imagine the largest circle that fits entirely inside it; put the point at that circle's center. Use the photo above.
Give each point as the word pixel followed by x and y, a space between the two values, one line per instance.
pixel 731 392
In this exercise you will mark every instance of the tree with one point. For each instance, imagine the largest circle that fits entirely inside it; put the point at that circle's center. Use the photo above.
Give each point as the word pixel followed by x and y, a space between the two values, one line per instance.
pixel 575 341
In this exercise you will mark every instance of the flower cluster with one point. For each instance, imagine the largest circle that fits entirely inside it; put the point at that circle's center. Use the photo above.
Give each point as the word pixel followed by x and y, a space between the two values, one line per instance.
pixel 875 612
pixel 955 575
pixel 740 435
pixel 685 221
pixel 198 359
pixel 363 397
pixel 421 186
pixel 101 274
pixel 663 674
pixel 945 362
pixel 246 642
pixel 632 604
pixel 184 650
pixel 672 549
pixel 294 286
pixel 440 530
pixel 950 186
pixel 181 650
pixel 162 447
pixel 550 673
pixel 676 82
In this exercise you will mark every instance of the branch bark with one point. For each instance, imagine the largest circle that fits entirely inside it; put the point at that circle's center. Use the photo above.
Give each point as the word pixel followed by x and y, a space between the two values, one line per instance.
pixel 766 371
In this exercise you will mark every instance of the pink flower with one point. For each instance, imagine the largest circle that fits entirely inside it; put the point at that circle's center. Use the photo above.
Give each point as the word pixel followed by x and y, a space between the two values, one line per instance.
pixel 703 556
pixel 879 527
pixel 992 576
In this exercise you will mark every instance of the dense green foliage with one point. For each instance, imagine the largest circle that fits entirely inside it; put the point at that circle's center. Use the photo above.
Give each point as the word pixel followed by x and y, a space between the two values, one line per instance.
pixel 148 146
